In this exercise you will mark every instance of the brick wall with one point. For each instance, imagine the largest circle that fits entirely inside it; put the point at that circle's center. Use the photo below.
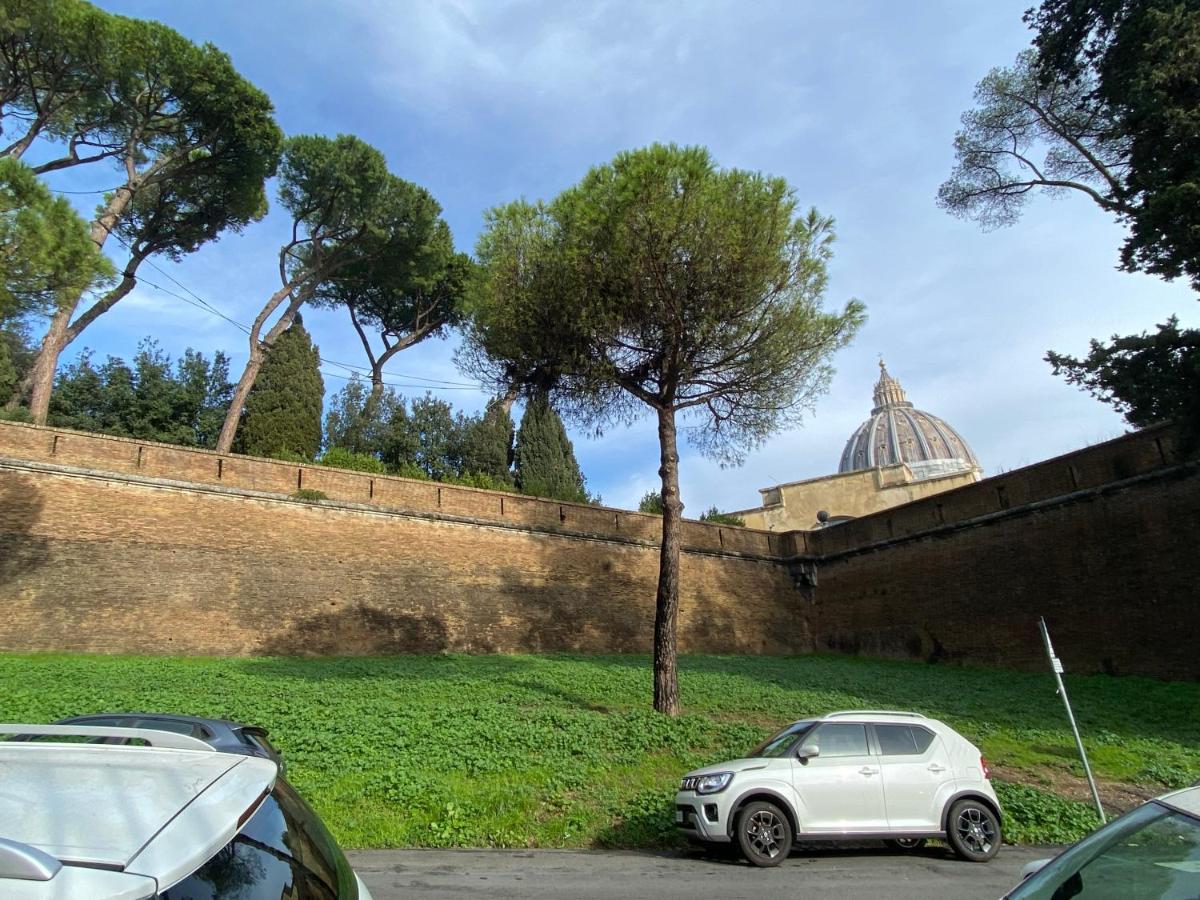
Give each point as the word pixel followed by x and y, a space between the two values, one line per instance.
pixel 116 545
pixel 1102 542
pixel 100 554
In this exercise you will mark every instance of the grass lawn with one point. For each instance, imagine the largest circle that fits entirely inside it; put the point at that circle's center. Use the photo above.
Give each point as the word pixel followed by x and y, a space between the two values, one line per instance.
pixel 564 751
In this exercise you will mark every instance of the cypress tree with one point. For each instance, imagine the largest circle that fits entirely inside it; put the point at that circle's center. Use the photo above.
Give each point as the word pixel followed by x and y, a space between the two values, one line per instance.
pixel 487 447
pixel 544 457
pixel 283 409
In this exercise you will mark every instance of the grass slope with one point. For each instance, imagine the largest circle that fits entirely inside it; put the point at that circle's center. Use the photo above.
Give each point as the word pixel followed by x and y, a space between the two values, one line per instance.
pixel 561 751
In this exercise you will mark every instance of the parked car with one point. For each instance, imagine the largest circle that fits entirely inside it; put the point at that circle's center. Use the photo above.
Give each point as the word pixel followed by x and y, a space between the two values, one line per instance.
pixel 170 820
pixel 1151 851
pixel 220 734
pixel 852 775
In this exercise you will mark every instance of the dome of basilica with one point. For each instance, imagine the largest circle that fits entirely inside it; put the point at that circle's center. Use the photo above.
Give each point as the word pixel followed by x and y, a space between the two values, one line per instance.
pixel 897 432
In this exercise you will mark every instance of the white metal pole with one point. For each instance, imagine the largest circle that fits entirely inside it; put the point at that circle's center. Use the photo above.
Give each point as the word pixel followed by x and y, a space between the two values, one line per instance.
pixel 1057 667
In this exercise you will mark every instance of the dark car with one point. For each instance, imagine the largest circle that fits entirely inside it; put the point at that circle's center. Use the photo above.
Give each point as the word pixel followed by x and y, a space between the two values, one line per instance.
pixel 1151 851
pixel 220 734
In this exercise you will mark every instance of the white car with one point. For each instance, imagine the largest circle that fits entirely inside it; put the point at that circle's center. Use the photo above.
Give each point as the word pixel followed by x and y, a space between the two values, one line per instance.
pixel 855 775
pixel 169 820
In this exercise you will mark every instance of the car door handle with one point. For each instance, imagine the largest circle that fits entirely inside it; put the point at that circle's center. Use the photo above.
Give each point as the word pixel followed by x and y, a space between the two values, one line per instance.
pixel 867 770
pixel 936 768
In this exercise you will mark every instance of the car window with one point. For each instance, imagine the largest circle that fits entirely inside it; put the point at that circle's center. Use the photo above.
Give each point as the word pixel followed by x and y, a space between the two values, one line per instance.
pixel 282 851
pixel 1152 851
pixel 781 743
pixel 189 728
pixel 903 740
pixel 839 740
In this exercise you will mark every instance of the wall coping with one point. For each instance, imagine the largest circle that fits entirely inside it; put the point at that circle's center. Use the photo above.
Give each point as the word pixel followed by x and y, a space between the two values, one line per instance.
pixel 367 508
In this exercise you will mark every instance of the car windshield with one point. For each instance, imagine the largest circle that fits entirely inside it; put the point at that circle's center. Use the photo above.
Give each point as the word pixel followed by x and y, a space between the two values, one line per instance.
pixel 779 744
pixel 1153 851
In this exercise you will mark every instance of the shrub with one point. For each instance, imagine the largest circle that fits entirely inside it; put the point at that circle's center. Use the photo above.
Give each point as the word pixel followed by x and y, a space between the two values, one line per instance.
pixel 716 517
pixel 341 458
pixel 308 495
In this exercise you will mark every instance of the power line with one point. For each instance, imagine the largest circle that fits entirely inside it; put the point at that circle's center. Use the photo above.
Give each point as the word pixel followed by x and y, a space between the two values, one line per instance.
pixel 200 303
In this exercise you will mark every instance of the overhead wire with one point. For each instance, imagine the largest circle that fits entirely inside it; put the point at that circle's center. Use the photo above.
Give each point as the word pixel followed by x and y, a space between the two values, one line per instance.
pixel 205 306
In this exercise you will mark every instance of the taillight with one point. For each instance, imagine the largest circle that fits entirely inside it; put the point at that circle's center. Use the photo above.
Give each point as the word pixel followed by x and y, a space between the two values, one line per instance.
pixel 987 773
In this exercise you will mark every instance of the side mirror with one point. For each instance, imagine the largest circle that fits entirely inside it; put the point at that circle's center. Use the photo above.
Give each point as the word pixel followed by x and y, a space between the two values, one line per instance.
pixel 807 752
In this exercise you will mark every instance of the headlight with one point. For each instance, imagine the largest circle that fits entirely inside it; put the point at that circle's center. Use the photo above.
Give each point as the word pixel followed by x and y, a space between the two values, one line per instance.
pixel 713 784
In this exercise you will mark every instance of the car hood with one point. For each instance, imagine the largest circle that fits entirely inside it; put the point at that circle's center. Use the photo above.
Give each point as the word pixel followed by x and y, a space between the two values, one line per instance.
pixel 733 765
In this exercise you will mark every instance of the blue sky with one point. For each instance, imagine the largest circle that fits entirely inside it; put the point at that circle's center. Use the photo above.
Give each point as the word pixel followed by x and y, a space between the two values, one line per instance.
pixel 855 104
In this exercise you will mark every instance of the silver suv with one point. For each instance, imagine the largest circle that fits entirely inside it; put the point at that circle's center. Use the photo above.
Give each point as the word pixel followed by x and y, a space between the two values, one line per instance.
pixel 853 775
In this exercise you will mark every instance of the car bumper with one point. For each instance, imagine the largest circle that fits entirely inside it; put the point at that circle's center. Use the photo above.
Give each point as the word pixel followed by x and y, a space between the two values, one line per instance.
pixel 363 893
pixel 701 817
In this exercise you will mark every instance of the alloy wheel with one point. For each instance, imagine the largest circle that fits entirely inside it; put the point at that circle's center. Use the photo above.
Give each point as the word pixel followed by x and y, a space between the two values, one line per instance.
pixel 766 833
pixel 975 829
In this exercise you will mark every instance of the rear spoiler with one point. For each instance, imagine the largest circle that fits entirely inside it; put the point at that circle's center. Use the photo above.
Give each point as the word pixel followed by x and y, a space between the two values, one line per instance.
pixel 166 739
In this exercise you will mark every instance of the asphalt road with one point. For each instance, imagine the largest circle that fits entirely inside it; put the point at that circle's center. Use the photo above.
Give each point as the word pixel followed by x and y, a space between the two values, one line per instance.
pixel 870 873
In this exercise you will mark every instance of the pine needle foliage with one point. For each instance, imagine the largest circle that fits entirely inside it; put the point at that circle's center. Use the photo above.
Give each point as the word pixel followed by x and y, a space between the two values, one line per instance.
pixel 283 410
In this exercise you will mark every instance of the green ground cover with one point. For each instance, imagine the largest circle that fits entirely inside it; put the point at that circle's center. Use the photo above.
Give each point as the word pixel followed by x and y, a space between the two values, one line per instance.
pixel 564 751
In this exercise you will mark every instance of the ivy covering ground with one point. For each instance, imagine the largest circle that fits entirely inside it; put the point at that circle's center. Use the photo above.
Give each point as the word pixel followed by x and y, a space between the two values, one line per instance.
pixel 560 751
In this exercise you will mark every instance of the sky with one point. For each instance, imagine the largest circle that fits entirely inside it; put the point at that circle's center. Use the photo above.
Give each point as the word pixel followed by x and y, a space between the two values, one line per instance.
pixel 855 104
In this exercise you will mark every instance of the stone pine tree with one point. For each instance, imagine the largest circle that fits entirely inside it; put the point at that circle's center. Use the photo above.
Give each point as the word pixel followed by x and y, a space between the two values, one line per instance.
pixel 187 141
pixel 347 211
pixel 488 444
pixel 661 284
pixel 544 459
pixel 283 409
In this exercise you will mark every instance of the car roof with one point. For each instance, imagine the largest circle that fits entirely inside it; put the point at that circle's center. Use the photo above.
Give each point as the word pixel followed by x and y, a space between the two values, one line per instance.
pixel 1187 800
pixel 98 804
pixel 212 724
pixel 877 715
pixel 157 812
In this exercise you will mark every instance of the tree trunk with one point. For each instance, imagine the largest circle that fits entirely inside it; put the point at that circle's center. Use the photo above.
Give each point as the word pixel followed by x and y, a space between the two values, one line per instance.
pixel 40 381
pixel 666 607
pixel 258 352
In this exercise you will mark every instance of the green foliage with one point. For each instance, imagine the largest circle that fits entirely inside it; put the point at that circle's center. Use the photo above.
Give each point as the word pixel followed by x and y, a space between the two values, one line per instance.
pixel 1025 133
pixel 652 503
pixel 283 410
pixel 151 399
pixel 1144 60
pixel 543 457
pixel 437 437
pixel 308 495
pixel 1147 378
pixel 1034 816
pixel 715 517
pixel 559 751
pixel 480 480
pixel 488 445
pixel 341 458
pixel 46 254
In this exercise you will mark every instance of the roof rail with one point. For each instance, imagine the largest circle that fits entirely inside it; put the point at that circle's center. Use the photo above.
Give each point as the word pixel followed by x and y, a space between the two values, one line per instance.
pixel 25 863
pixel 846 713
pixel 167 739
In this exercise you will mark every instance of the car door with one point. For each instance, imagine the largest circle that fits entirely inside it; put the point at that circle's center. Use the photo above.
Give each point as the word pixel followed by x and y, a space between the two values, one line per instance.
pixel 839 790
pixel 915 768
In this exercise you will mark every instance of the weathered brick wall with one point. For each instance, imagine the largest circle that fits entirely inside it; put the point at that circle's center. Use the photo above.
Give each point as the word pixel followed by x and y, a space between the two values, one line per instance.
pixel 181 551
pixel 164 461
pixel 1102 542
pixel 110 563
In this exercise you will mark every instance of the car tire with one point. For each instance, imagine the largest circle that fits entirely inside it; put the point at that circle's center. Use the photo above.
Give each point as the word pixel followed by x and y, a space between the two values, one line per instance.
pixel 973 830
pixel 763 834
pixel 906 844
